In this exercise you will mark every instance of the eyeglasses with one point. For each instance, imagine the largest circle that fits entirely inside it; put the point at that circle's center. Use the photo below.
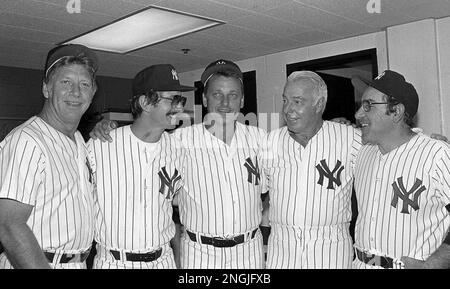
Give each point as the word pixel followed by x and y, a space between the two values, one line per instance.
pixel 176 100
pixel 367 104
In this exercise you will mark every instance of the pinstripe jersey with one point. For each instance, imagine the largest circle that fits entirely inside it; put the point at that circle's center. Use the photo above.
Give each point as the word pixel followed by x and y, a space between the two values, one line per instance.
pixel 42 167
pixel 312 186
pixel 136 183
pixel 222 192
pixel 310 196
pixel 401 198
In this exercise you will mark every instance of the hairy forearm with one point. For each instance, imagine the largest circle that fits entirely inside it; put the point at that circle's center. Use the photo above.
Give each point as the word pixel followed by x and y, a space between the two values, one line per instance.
pixel 440 259
pixel 21 247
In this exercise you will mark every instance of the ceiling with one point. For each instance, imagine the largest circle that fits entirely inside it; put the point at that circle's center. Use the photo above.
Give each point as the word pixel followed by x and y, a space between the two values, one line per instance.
pixel 29 28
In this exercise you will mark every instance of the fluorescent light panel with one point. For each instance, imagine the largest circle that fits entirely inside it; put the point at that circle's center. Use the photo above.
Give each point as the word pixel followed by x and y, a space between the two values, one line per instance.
pixel 146 27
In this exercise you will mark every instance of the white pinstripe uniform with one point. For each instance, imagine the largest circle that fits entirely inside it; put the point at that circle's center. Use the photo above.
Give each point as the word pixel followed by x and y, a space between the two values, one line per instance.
pixel 134 201
pixel 42 167
pixel 221 197
pixel 310 197
pixel 401 199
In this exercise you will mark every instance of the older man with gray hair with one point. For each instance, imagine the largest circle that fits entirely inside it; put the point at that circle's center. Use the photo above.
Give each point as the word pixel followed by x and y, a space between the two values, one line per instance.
pixel 310 167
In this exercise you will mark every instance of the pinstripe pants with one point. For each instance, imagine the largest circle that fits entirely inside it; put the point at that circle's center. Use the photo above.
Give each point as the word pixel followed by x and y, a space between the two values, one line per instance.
pixel 248 255
pixel 327 247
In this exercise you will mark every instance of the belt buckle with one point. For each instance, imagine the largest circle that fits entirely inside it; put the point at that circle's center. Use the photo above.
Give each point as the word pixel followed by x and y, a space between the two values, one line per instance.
pixel 74 258
pixel 221 242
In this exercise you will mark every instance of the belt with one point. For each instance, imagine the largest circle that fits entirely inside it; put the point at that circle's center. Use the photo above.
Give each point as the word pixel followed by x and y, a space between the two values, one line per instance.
pixel 219 241
pixel 68 258
pixel 375 260
pixel 138 257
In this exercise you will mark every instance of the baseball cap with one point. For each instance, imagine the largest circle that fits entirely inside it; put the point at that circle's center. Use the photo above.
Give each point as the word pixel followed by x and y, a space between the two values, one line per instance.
pixel 76 50
pixel 159 77
pixel 395 85
pixel 217 66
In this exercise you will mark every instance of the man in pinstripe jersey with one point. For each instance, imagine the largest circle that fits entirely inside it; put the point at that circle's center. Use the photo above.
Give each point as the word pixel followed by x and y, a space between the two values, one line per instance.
pixel 401 183
pixel 310 166
pixel 47 186
pixel 220 203
pixel 138 175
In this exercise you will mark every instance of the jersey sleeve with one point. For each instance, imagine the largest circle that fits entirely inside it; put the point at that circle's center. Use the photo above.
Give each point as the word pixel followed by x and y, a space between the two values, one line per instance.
pixel 443 174
pixel 22 168
pixel 356 146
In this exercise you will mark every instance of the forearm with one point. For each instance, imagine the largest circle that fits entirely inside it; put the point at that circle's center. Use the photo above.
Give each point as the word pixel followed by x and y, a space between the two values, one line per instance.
pixel 21 247
pixel 440 259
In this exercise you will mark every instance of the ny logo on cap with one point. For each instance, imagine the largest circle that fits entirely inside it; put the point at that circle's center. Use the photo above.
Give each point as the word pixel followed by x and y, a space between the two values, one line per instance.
pixel 220 62
pixel 174 74
pixel 380 76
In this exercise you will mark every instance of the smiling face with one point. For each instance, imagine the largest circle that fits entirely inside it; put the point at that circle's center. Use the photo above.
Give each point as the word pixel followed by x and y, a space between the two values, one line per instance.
pixel 301 110
pixel 69 93
pixel 376 123
pixel 224 97
pixel 162 113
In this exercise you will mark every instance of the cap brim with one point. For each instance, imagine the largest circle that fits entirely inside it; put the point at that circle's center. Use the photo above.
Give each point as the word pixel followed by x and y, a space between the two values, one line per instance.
pixel 360 84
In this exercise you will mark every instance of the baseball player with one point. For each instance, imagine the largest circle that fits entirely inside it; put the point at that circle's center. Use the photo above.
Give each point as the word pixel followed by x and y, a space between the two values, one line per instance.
pixel 46 190
pixel 401 183
pixel 138 174
pixel 220 203
pixel 310 166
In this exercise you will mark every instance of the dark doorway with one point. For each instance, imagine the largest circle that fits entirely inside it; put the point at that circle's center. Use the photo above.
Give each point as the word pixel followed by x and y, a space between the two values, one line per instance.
pixel 337 72
pixel 250 101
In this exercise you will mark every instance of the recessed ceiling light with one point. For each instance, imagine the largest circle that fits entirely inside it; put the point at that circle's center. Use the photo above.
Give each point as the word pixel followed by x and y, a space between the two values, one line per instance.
pixel 143 28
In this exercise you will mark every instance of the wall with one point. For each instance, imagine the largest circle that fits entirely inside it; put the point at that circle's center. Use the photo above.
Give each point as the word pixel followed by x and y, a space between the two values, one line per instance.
pixel 443 40
pixel 412 51
pixel 271 69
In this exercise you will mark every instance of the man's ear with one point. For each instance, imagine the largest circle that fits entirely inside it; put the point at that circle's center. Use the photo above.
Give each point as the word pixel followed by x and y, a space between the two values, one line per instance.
pixel 320 105
pixel 143 102
pixel 45 90
pixel 242 101
pixel 399 112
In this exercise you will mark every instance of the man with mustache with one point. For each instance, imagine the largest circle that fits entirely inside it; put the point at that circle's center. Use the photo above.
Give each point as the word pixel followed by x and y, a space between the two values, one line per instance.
pixel 220 203
pixel 47 185
pixel 401 182
pixel 138 175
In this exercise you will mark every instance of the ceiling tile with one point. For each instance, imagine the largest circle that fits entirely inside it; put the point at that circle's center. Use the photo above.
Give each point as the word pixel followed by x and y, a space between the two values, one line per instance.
pixel 254 5
pixel 357 10
pixel 268 24
pixel 318 19
pixel 205 8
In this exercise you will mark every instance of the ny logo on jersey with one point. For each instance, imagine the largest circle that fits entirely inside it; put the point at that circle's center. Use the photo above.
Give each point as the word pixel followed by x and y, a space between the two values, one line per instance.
pixel 168 183
pixel 252 170
pixel 400 192
pixel 91 174
pixel 324 171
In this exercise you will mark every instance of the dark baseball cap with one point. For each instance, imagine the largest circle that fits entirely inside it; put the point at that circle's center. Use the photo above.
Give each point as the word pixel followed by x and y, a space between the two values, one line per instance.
pixel 159 77
pixel 76 50
pixel 218 66
pixel 395 85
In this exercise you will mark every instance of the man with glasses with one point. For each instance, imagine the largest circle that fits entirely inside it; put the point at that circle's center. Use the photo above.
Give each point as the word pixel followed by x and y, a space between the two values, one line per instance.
pixel 401 182
pixel 220 202
pixel 138 174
